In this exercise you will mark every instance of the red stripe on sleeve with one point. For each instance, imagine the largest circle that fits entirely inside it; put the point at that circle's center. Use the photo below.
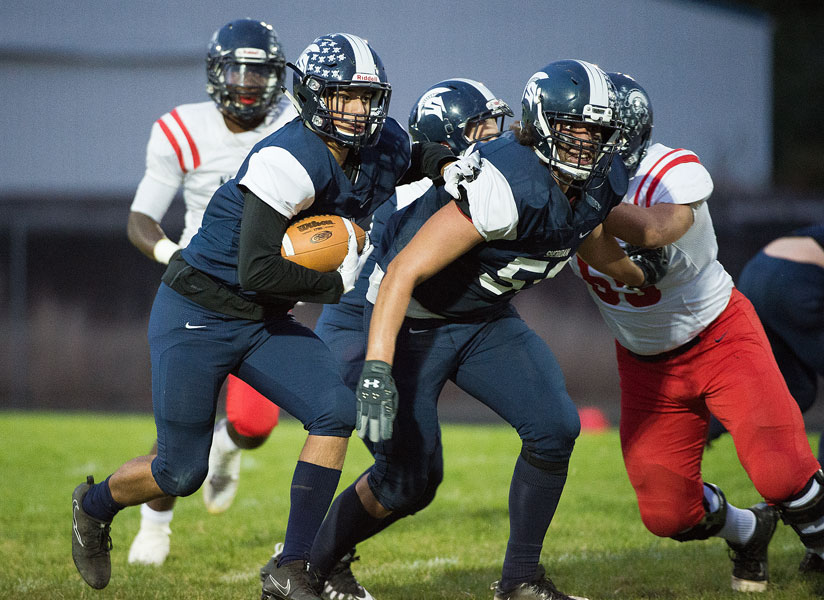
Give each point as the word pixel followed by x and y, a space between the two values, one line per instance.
pixel 192 145
pixel 637 197
pixel 173 142
pixel 687 158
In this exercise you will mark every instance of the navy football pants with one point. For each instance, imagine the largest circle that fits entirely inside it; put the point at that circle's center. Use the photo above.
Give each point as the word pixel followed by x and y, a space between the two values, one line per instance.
pixel 502 363
pixel 193 349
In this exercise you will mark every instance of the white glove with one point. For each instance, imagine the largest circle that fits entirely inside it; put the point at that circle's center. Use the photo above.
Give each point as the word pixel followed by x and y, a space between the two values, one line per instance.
pixel 348 269
pixel 466 168
pixel 364 255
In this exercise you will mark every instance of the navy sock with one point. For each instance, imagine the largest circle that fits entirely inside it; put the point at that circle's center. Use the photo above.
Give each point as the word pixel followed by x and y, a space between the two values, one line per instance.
pixel 347 524
pixel 533 497
pixel 313 488
pixel 98 502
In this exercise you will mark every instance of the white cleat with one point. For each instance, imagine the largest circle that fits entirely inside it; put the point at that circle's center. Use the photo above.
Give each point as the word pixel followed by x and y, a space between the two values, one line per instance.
pixel 221 483
pixel 150 545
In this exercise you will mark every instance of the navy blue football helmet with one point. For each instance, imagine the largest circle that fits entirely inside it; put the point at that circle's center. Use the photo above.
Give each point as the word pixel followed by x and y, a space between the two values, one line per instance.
pixel 245 68
pixel 635 112
pixel 335 64
pixel 449 108
pixel 565 95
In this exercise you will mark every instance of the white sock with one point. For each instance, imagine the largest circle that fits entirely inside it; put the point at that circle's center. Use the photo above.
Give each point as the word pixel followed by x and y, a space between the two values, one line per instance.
pixel 739 526
pixel 150 516
pixel 223 441
pixel 740 523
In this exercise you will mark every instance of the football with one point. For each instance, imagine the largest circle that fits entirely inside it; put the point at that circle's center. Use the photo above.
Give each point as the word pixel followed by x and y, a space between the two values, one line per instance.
pixel 319 242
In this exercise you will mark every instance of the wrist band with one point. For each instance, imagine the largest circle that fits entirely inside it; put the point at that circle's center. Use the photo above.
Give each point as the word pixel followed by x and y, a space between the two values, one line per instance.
pixel 164 249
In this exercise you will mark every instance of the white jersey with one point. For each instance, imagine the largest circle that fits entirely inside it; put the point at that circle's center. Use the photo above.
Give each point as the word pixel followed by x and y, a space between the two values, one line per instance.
pixel 191 146
pixel 695 289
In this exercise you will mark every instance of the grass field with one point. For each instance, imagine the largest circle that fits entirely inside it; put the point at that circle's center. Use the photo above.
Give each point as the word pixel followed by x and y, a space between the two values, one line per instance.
pixel 596 545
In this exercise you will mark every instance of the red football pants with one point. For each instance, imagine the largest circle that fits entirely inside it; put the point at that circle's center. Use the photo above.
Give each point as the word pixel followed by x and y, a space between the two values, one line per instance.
pixel 249 412
pixel 665 409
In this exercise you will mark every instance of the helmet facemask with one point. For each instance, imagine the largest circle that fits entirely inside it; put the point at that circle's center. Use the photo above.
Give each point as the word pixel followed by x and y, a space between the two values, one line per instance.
pixel 367 111
pixel 498 110
pixel 244 91
pixel 578 159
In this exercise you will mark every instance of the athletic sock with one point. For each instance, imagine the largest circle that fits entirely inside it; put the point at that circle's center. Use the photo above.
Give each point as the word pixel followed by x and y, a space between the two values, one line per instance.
pixel 347 524
pixel 224 441
pixel 533 497
pixel 739 525
pixel 99 504
pixel 313 488
pixel 154 517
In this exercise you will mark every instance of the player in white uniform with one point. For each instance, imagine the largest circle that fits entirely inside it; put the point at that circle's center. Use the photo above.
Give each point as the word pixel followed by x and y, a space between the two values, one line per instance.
pixel 689 346
pixel 199 147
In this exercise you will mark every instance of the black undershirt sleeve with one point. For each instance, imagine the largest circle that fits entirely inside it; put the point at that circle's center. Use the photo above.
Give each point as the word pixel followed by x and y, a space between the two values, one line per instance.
pixel 428 158
pixel 262 269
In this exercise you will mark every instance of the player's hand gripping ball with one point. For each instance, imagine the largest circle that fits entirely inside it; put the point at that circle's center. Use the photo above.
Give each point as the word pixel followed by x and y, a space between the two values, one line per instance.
pixel 319 242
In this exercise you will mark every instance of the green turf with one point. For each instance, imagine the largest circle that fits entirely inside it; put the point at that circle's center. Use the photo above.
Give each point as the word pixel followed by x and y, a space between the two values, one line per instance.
pixel 596 545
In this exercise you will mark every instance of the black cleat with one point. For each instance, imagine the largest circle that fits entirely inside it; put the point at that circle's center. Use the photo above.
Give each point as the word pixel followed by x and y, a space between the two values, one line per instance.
pixel 811 563
pixel 341 584
pixel 91 541
pixel 292 581
pixel 540 588
pixel 749 570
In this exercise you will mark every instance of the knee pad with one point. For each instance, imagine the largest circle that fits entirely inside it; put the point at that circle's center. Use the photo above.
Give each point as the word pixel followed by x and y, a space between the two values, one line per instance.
pixel 181 484
pixel 559 468
pixel 711 523
pixel 804 512
pixel 433 481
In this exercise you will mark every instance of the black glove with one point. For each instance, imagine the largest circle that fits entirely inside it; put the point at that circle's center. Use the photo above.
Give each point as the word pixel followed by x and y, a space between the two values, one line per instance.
pixel 377 401
pixel 652 261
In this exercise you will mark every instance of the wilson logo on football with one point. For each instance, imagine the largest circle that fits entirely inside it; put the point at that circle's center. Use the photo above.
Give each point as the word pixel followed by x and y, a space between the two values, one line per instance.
pixel 313 224
pixel 320 236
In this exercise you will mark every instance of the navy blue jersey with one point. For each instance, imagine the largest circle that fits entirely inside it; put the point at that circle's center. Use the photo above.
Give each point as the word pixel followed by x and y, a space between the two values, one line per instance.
pixel 293 171
pixel 529 226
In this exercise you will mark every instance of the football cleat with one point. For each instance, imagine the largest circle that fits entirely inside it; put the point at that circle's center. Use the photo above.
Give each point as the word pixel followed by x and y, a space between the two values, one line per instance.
pixel 150 545
pixel 341 584
pixel 749 570
pixel 221 483
pixel 811 563
pixel 540 588
pixel 91 541
pixel 292 581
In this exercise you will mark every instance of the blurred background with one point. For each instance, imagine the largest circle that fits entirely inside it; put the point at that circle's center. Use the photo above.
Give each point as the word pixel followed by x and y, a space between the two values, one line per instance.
pixel 737 82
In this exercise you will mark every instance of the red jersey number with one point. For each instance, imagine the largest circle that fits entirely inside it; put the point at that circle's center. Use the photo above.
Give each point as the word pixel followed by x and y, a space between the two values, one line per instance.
pixel 603 289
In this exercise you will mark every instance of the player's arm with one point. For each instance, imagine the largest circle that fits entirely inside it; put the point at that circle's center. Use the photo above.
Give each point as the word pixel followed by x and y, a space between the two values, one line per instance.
pixel 154 195
pixel 147 236
pixel 444 237
pixel 263 270
pixel 428 160
pixel 601 251
pixel 651 227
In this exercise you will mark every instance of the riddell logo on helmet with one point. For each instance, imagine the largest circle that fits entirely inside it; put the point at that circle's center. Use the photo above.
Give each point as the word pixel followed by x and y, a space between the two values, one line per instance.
pixel 365 77
pixel 313 224
pixel 250 53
